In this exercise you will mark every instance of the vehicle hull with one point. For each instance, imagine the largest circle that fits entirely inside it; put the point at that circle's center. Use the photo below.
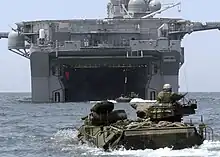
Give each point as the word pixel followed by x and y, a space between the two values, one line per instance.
pixel 141 138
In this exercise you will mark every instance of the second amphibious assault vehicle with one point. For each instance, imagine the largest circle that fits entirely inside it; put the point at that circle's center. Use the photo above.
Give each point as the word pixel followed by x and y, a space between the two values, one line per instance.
pixel 157 126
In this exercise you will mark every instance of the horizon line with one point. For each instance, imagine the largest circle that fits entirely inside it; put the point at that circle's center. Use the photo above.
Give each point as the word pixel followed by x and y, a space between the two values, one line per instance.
pixel 179 92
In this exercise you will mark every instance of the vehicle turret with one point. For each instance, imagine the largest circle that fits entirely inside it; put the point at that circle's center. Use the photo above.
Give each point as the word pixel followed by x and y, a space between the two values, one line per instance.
pixel 172 112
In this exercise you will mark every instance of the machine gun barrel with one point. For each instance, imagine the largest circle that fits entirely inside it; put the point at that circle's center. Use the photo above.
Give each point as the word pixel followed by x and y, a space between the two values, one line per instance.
pixel 184 27
pixel 4 34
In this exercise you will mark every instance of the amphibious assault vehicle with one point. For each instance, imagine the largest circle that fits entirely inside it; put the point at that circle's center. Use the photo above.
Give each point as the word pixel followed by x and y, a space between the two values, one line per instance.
pixel 157 126
pixel 124 99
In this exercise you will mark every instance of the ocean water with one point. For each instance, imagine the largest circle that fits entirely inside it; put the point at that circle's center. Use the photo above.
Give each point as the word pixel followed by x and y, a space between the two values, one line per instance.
pixel 35 130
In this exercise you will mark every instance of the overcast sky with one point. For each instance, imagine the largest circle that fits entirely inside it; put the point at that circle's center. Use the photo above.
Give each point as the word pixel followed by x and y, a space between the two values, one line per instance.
pixel 201 70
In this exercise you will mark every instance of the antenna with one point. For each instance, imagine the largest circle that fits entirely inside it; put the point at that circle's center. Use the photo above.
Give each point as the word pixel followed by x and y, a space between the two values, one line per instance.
pixel 169 4
pixel 180 7
pixel 12 28
pixel 161 10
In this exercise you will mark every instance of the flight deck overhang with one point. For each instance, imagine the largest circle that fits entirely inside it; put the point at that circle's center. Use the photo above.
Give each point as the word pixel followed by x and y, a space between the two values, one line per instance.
pixel 105 61
pixel 104 52
pixel 92 52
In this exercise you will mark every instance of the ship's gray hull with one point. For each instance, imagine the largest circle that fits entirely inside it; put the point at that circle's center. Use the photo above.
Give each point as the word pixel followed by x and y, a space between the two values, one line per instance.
pixel 96 59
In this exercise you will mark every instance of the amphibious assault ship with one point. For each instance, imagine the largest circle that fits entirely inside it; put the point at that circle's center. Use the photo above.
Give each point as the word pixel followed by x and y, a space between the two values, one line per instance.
pixel 97 59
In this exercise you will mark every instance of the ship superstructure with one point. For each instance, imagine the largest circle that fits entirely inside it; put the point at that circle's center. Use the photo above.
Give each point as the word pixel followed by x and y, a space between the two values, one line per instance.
pixel 97 59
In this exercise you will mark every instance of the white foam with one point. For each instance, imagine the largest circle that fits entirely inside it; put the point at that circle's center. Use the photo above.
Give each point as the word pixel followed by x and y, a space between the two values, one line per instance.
pixel 204 150
pixel 66 135
pixel 112 101
pixel 94 102
pixel 139 100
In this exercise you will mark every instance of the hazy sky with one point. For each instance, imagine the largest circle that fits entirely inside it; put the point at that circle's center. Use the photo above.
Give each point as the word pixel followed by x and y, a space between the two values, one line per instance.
pixel 201 70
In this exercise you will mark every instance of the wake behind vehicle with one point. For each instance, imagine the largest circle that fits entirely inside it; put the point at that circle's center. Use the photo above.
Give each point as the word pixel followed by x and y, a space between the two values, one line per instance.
pixel 157 126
